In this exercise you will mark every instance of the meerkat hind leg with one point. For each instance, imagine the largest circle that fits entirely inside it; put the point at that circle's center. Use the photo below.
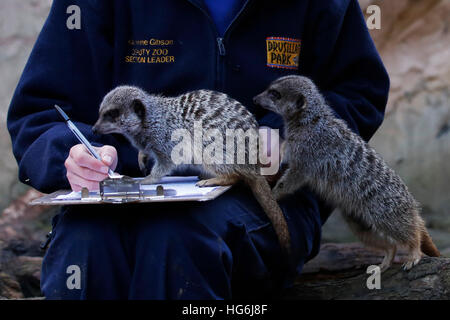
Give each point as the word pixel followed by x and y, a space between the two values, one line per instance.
pixel 414 251
pixel 414 259
pixel 388 258
pixel 223 180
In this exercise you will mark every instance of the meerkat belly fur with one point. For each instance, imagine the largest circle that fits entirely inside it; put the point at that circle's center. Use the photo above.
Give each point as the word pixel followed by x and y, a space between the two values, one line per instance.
pixel 324 154
pixel 148 121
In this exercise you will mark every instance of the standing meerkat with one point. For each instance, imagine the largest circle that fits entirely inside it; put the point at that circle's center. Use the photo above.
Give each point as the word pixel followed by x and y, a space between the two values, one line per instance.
pixel 148 122
pixel 324 154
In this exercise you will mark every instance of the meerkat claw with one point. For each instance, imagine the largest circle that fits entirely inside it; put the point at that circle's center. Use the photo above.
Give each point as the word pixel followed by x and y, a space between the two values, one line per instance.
pixel 205 183
pixel 409 264
pixel 150 180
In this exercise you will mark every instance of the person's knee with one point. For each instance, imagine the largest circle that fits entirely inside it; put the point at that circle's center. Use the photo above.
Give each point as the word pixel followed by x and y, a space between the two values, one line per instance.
pixel 85 258
pixel 180 257
pixel 86 225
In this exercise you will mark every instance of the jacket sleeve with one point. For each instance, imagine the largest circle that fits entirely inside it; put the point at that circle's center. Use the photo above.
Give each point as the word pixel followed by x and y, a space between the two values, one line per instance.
pixel 353 79
pixel 338 54
pixel 71 68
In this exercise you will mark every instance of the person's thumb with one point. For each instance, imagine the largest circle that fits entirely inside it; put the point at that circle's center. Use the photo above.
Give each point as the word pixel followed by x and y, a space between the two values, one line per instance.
pixel 108 154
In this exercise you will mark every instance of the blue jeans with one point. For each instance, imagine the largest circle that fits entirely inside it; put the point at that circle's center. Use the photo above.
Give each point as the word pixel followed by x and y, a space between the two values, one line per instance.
pixel 192 250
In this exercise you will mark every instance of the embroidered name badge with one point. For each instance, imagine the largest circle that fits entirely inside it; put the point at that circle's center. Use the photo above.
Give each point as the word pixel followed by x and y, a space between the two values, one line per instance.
pixel 150 51
pixel 283 52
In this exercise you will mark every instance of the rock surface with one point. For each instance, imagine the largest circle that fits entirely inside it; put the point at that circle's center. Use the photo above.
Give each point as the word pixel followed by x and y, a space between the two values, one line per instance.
pixel 22 229
pixel 339 272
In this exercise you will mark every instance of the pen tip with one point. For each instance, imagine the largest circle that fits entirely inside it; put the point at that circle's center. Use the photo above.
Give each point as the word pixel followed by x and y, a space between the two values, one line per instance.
pixel 62 113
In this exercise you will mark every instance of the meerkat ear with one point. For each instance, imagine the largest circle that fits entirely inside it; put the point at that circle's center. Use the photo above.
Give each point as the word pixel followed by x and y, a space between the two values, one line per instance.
pixel 301 102
pixel 138 108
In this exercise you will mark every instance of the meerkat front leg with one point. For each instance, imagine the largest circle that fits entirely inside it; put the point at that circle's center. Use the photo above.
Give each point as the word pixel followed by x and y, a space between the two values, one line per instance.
pixel 142 160
pixel 388 258
pixel 161 168
pixel 222 180
pixel 414 255
pixel 287 184
pixel 283 154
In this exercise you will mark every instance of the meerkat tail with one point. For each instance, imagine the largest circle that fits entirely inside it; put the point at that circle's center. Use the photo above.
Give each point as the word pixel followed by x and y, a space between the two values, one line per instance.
pixel 263 194
pixel 427 246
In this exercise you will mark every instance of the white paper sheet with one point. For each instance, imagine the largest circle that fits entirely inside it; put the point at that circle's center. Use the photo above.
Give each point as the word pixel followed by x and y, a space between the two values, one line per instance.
pixel 183 186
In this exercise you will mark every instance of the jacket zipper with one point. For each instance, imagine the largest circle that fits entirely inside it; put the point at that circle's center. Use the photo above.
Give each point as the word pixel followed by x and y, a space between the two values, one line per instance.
pixel 221 43
pixel 221 47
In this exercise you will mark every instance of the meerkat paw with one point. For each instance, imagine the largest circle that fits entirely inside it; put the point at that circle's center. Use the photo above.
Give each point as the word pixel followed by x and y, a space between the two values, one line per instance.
pixel 205 176
pixel 410 263
pixel 413 259
pixel 150 180
pixel 217 181
pixel 206 183
pixel 278 192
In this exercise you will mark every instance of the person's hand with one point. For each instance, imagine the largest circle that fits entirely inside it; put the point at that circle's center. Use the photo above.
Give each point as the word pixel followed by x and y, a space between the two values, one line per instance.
pixel 84 171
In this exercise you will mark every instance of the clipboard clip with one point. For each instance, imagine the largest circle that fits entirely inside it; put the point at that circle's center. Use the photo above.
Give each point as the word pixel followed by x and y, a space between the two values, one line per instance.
pixel 126 189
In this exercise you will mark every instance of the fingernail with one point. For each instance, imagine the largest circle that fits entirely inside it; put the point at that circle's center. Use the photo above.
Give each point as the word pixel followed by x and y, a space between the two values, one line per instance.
pixel 104 169
pixel 107 159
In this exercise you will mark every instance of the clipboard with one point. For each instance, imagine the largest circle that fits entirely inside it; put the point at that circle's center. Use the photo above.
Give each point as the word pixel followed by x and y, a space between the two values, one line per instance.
pixel 169 189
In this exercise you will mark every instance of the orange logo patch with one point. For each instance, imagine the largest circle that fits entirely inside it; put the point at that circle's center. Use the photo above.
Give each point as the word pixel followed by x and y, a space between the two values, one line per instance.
pixel 283 52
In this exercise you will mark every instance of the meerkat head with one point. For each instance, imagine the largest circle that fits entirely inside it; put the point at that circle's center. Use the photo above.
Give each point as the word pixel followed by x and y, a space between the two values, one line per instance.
pixel 123 111
pixel 287 95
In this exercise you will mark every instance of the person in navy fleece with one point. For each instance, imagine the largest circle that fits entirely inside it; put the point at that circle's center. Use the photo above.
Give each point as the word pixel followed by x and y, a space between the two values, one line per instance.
pixel 213 250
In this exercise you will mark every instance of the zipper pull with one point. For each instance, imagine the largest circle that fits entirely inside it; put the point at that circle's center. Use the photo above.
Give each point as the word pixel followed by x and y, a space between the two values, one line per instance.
pixel 221 46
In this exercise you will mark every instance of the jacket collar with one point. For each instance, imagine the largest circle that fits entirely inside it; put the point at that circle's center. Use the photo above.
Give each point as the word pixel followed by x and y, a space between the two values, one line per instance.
pixel 201 5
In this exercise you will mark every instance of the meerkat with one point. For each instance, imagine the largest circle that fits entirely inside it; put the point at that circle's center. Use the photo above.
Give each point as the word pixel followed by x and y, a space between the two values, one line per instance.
pixel 148 122
pixel 324 154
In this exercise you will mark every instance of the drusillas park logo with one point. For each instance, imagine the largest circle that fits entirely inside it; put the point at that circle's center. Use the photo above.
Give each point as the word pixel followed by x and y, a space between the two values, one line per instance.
pixel 283 52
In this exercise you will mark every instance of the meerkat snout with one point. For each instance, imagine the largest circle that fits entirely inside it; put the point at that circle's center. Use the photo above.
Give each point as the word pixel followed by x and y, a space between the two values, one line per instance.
pixel 267 100
pixel 284 95
pixel 107 122
pixel 121 111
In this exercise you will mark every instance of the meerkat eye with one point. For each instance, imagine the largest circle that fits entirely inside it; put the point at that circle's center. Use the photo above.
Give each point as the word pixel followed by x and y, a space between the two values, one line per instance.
pixel 139 108
pixel 112 114
pixel 274 94
pixel 301 102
